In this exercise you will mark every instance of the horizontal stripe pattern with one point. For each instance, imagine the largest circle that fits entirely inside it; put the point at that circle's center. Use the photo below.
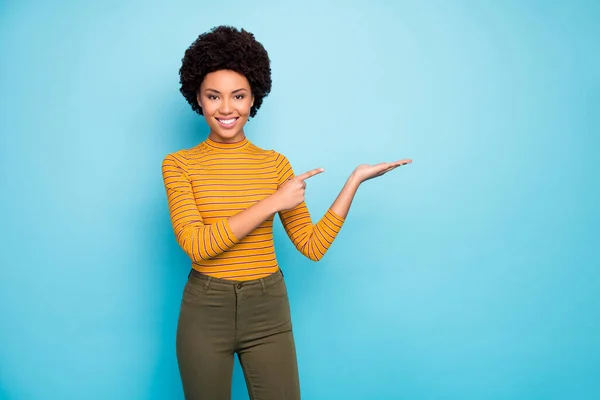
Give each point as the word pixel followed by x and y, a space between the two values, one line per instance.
pixel 208 184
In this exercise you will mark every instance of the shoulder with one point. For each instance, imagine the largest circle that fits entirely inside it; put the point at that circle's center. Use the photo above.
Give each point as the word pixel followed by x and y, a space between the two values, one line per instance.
pixel 181 158
pixel 176 159
pixel 269 154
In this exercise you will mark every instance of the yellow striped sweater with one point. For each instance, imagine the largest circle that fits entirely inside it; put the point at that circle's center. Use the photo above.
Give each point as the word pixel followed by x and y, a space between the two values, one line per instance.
pixel 213 181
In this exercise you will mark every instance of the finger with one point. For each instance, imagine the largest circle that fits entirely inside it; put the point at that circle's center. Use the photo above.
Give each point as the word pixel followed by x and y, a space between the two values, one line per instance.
pixel 391 167
pixel 398 163
pixel 385 171
pixel 310 174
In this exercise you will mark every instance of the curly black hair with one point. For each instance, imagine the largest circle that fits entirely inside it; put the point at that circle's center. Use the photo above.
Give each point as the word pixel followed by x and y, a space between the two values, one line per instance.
pixel 225 47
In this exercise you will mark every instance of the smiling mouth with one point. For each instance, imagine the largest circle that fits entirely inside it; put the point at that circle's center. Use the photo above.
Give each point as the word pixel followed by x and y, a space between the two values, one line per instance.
pixel 227 122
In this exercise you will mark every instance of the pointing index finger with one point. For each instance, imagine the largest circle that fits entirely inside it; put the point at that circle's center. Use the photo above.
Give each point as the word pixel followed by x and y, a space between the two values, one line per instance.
pixel 310 174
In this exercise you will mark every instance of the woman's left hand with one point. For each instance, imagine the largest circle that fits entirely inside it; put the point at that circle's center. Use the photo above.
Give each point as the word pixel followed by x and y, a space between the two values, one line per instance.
pixel 365 172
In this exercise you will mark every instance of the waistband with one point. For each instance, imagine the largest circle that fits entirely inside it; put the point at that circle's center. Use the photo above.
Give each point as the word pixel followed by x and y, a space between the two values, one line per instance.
pixel 201 279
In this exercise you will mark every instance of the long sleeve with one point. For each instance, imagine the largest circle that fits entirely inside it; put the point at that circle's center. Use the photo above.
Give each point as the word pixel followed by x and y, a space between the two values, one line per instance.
pixel 312 240
pixel 200 241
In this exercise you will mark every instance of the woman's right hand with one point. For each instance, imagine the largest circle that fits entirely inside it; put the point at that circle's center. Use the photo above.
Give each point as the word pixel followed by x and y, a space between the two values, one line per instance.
pixel 291 193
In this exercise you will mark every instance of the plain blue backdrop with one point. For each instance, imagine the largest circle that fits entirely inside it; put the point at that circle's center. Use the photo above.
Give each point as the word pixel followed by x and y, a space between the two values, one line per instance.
pixel 473 273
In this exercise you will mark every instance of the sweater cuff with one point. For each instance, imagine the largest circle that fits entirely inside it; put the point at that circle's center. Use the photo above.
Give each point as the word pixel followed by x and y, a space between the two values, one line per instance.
pixel 229 238
pixel 336 219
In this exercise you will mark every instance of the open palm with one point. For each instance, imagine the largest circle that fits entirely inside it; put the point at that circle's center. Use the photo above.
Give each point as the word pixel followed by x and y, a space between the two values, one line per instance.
pixel 365 172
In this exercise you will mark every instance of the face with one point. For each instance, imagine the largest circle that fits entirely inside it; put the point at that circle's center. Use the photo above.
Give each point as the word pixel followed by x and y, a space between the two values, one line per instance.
pixel 226 99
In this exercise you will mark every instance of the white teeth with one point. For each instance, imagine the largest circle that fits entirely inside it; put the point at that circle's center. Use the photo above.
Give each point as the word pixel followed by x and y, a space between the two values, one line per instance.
pixel 227 121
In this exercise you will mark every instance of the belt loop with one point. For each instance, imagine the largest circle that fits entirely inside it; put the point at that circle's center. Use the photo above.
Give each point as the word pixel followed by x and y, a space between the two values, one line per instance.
pixel 207 283
pixel 262 283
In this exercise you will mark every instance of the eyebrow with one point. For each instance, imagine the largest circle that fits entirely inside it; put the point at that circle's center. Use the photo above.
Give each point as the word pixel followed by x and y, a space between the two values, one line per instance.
pixel 216 91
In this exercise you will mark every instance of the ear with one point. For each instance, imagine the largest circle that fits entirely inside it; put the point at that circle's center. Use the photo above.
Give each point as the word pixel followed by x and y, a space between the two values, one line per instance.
pixel 252 102
pixel 198 99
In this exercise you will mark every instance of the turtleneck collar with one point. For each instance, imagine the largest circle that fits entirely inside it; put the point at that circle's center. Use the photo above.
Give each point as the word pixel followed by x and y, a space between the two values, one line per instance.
pixel 227 146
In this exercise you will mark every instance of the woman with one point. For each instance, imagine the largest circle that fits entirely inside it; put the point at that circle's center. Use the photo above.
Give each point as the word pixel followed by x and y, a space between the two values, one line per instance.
pixel 223 195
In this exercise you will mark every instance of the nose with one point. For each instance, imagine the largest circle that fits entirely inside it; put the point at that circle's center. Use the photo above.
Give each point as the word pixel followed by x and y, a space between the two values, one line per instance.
pixel 225 107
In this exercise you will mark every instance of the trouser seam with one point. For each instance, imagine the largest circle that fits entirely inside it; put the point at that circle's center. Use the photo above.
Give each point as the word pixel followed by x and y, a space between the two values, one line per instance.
pixel 235 322
pixel 248 383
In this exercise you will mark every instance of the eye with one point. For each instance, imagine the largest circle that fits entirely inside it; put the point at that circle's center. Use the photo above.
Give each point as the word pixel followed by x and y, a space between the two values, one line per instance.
pixel 212 97
pixel 239 97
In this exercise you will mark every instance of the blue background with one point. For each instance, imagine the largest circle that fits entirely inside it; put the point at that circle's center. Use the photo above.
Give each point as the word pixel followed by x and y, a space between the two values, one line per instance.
pixel 471 274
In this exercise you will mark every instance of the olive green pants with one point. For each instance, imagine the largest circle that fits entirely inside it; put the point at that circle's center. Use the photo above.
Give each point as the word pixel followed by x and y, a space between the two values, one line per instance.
pixel 220 318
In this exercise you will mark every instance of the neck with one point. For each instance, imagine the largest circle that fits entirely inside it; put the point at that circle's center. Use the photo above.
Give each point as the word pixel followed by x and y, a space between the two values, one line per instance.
pixel 238 137
pixel 218 143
